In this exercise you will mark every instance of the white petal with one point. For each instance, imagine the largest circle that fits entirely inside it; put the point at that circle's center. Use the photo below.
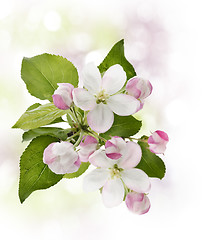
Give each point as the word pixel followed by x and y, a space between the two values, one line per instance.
pixel 60 148
pixel 95 180
pixel 136 180
pixel 157 148
pixel 91 78
pixel 123 105
pixel 83 99
pixel 99 159
pixel 101 118
pixel 131 156
pixel 113 192
pixel 86 151
pixel 64 164
pixel 113 79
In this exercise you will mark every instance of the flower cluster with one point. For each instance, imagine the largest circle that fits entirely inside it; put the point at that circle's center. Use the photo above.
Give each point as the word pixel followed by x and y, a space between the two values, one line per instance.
pixel 92 111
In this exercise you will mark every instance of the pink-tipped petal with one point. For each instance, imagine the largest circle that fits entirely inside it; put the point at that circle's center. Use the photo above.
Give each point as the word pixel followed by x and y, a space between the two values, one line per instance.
pixel 83 99
pixel 123 105
pixel 157 148
pixel 95 180
pixel 162 135
pixel 137 203
pixel 91 78
pixel 113 192
pixel 99 159
pixel 114 155
pixel 147 89
pixel 59 102
pixel 62 96
pixel 77 163
pixel 139 88
pixel 69 87
pixel 87 146
pixel 48 156
pixel 158 141
pixel 113 79
pixel 61 158
pixel 101 118
pixel 115 147
pixel 131 157
pixel 88 140
pixel 136 180
pixel 132 89
pixel 141 106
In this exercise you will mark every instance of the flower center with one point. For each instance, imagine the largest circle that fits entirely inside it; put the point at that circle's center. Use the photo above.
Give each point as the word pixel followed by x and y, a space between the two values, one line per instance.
pixel 115 172
pixel 101 97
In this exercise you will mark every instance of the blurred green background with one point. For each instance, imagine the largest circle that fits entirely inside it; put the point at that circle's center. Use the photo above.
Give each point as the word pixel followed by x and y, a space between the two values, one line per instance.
pixel 159 43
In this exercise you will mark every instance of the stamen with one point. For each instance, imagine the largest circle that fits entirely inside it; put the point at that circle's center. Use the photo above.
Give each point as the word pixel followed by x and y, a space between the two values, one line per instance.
pixel 101 97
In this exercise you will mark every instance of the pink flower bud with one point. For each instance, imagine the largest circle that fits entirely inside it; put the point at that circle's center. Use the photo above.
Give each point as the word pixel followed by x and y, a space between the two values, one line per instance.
pixel 157 142
pixel 61 158
pixel 87 146
pixel 137 203
pixel 62 96
pixel 114 147
pixel 139 88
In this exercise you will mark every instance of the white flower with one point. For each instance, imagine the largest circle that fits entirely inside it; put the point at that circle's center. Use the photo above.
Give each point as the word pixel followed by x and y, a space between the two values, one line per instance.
pixel 112 174
pixel 100 98
pixel 61 158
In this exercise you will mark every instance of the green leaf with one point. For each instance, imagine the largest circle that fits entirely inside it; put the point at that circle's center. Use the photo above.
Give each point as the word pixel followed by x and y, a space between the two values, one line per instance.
pixel 35 105
pixel 40 116
pixel 42 73
pixel 57 120
pixel 34 174
pixel 59 133
pixel 83 167
pixel 123 126
pixel 150 163
pixel 69 120
pixel 116 56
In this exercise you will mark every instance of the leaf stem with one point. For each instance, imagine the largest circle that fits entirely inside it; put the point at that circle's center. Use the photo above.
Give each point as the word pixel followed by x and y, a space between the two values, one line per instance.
pixel 93 134
pixel 74 135
pixel 79 139
pixel 74 115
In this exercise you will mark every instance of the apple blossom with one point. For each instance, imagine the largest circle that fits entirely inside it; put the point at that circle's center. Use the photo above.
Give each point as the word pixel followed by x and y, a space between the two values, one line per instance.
pixel 157 142
pixel 62 97
pixel 61 158
pixel 137 203
pixel 87 146
pixel 115 147
pixel 139 88
pixel 112 174
pixel 100 98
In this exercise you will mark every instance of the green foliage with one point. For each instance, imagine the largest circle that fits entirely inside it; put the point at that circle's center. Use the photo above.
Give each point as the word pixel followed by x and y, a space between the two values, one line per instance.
pixel 34 174
pixel 40 116
pixel 123 126
pixel 116 56
pixel 83 167
pixel 150 163
pixel 59 133
pixel 42 73
pixel 35 105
